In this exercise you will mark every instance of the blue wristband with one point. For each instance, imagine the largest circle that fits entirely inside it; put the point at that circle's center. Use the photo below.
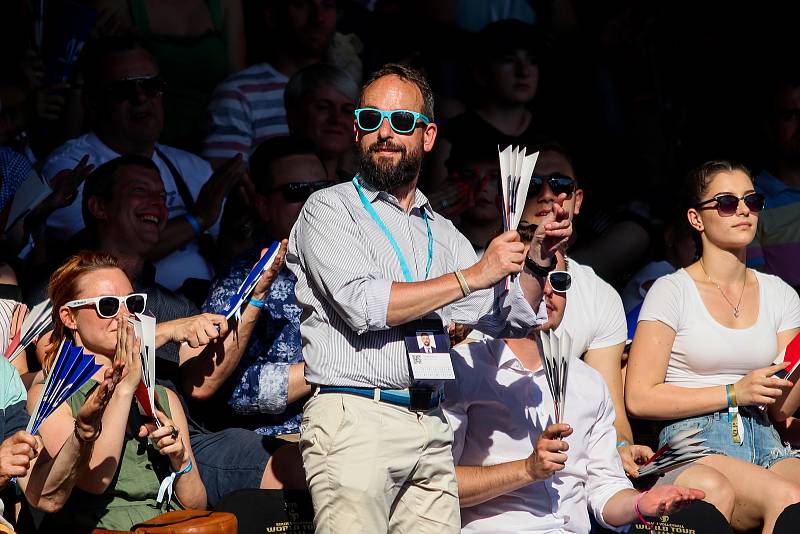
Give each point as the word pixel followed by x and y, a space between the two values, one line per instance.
pixel 260 304
pixel 622 443
pixel 185 469
pixel 194 223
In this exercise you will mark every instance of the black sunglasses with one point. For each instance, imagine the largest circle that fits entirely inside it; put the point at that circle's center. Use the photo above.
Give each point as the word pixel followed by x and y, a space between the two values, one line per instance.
pixel 300 191
pixel 128 89
pixel 728 203
pixel 558 184
pixel 560 281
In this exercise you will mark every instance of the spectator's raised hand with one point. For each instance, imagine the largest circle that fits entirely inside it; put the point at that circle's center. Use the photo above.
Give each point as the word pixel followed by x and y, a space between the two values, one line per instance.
pixel 88 420
pixel 553 232
pixel 759 387
pixel 128 356
pixel 167 440
pixel 549 454
pixel 662 500
pixel 633 456
pixel 16 454
pixel 17 317
pixel 65 184
pixel 196 330
pixel 505 255
pixel 269 276
pixel 208 206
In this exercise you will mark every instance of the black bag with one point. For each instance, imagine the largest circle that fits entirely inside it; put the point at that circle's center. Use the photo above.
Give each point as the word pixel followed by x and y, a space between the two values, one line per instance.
pixel 259 511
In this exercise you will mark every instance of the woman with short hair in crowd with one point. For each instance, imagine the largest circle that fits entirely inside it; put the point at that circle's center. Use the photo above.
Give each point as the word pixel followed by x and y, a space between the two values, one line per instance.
pixel 705 346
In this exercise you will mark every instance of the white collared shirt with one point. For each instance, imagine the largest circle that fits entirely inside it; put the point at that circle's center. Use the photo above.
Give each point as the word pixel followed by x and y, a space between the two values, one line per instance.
pixel 498 409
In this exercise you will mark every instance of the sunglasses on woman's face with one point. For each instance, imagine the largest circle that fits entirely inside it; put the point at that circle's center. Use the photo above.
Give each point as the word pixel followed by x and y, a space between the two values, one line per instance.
pixel 558 184
pixel 300 191
pixel 728 203
pixel 107 306
pixel 402 121
pixel 560 281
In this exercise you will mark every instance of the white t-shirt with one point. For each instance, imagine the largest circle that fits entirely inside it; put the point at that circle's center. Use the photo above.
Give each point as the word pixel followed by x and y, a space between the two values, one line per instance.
pixel 186 262
pixel 704 352
pixel 593 317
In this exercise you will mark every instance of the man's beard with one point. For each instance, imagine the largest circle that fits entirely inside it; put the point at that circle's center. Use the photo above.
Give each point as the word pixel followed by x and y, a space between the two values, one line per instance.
pixel 383 174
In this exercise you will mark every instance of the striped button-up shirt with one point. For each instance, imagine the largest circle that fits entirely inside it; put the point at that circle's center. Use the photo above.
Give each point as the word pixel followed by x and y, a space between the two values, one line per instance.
pixel 345 267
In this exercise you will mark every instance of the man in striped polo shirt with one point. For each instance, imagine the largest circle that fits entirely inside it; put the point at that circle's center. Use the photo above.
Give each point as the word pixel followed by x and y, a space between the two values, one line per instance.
pixel 372 259
pixel 247 108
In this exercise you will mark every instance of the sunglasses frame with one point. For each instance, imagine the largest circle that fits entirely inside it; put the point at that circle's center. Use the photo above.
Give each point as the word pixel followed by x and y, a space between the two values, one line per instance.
pixel 742 198
pixel 388 115
pixel 138 82
pixel 288 187
pixel 550 281
pixel 538 181
pixel 96 301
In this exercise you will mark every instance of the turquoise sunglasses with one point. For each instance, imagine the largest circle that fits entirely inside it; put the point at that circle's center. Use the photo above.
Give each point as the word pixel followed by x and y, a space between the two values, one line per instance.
pixel 402 121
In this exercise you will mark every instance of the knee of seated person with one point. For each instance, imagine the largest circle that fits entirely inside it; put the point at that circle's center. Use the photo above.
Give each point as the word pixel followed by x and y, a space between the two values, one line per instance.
pixel 786 496
pixel 284 470
pixel 718 489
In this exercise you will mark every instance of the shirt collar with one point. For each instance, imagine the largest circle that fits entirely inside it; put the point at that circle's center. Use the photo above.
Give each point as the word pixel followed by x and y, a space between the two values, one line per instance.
pixel 506 359
pixel 421 202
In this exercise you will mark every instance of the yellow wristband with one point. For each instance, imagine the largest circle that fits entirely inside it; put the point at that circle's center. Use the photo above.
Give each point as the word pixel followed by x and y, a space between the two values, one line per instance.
pixel 465 290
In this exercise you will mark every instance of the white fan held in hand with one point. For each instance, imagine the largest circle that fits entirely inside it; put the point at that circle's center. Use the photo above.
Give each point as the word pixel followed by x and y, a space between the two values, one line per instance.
pixel 556 356
pixel 516 170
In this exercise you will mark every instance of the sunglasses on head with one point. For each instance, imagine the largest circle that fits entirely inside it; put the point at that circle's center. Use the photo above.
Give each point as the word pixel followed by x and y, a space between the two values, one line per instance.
pixel 107 306
pixel 402 121
pixel 300 191
pixel 558 184
pixel 560 281
pixel 128 89
pixel 728 203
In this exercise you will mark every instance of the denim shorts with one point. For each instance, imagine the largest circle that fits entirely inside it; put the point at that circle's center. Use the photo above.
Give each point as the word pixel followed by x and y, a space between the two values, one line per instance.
pixel 761 444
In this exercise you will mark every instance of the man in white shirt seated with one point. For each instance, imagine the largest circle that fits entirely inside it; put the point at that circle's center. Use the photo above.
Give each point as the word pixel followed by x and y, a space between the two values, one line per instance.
pixel 124 96
pixel 514 473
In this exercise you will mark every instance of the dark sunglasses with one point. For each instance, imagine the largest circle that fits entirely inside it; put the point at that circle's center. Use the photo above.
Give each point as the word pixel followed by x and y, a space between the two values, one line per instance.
pixel 128 89
pixel 402 121
pixel 558 184
pixel 727 203
pixel 107 306
pixel 300 191
pixel 560 281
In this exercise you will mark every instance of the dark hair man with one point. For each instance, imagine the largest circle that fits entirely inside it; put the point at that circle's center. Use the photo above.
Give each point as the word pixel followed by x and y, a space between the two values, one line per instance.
pixel 374 265
pixel 124 98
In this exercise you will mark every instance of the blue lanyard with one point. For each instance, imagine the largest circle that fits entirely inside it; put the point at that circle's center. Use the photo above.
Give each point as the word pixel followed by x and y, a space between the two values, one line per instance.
pixel 374 214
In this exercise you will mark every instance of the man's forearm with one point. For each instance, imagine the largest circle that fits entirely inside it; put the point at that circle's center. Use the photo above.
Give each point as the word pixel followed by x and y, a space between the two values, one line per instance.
pixel 478 484
pixel 621 508
pixel 411 300
pixel 205 373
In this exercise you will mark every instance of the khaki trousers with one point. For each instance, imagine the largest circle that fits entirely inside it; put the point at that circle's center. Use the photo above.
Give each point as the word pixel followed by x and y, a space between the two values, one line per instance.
pixel 373 467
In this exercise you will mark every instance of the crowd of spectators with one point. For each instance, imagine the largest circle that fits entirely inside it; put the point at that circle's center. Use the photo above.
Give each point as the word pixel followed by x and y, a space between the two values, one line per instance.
pixel 166 144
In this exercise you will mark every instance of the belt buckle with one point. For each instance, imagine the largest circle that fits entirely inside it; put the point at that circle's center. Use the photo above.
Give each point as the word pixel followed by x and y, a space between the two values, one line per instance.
pixel 420 399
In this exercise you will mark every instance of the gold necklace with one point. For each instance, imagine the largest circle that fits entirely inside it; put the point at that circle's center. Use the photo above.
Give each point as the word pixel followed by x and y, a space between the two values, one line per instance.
pixel 744 283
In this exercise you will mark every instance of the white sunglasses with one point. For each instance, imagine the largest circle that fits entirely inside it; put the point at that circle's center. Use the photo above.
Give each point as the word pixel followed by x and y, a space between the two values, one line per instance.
pixel 107 306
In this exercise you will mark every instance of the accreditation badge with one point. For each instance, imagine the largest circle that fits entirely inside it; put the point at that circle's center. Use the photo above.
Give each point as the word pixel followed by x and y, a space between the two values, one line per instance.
pixel 428 349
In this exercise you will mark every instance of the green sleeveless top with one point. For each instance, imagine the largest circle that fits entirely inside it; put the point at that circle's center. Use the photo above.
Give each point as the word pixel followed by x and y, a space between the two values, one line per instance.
pixel 192 66
pixel 131 497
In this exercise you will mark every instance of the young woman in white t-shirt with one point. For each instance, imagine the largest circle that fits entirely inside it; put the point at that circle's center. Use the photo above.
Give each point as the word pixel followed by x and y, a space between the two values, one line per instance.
pixel 707 338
